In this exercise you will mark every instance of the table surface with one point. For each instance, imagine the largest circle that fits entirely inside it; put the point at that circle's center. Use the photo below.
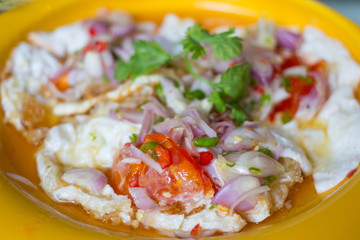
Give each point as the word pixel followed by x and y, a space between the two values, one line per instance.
pixel 349 8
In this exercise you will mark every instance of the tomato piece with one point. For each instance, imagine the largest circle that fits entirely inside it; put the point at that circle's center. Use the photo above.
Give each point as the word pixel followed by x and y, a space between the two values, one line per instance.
pixel 206 158
pixel 163 156
pixel 100 46
pixel 196 230
pixel 62 82
pixel 292 61
pixel 298 88
pixel 181 179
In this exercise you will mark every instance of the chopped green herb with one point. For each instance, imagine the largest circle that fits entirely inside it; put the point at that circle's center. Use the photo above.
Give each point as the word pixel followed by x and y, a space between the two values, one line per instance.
pixel 159 92
pixel 266 151
pixel 286 118
pixel 235 80
pixel 105 78
pixel 225 154
pixel 191 95
pixel 232 88
pixel 238 115
pixel 255 171
pixel 177 84
pixel 306 79
pixel 250 105
pixel 93 136
pixel 286 83
pixel 147 57
pixel 269 180
pixel 148 147
pixel 219 104
pixel 230 164
pixel 133 138
pixel 225 46
pixel 159 121
pixel 264 99
pixel 205 142
pixel 213 206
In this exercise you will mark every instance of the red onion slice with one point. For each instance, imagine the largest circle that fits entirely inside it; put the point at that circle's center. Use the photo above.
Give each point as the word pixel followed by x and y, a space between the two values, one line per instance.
pixel 244 161
pixel 176 134
pixel 237 204
pixel 201 123
pixel 237 190
pixel 146 126
pixel 142 199
pixel 87 178
pixel 287 39
pixel 113 115
pixel 262 71
pixel 146 159
pixel 213 172
pixel 119 31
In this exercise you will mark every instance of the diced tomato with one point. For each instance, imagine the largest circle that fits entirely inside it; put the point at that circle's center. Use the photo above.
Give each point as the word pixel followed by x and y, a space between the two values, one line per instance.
pixel 100 46
pixel 351 173
pixel 181 179
pixel 298 88
pixel 97 46
pixel 62 82
pixel 206 158
pixel 259 89
pixel 196 230
pixel 163 156
pixel 292 61
pixel 92 31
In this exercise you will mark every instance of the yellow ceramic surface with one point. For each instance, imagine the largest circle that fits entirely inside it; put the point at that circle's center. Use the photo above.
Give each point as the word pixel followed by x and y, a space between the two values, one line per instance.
pixel 334 216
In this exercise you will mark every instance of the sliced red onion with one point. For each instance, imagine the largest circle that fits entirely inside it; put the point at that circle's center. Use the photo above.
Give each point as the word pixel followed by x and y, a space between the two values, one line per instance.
pixel 119 31
pixel 99 27
pixel 165 126
pixel 133 116
pixel 278 151
pixel 176 134
pixel 146 126
pixel 125 51
pixel 235 147
pixel 248 204
pixel 248 124
pixel 113 115
pixel 287 39
pixel 223 116
pixel 244 161
pixel 201 123
pixel 142 199
pixel 237 190
pixel 224 128
pixel 156 107
pixel 252 134
pixel 213 172
pixel 88 178
pixel 107 59
pixel 262 71
pixel 146 159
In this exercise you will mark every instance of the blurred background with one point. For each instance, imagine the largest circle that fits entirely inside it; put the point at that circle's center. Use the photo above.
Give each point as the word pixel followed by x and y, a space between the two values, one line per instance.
pixel 349 8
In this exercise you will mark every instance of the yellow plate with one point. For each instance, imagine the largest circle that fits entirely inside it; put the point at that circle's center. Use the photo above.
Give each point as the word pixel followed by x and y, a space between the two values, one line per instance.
pixel 333 217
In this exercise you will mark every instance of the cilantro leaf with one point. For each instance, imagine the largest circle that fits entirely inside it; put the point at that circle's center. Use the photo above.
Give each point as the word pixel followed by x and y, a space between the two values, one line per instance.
pixel 218 101
pixel 147 57
pixel 235 81
pixel 225 47
pixel 238 115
